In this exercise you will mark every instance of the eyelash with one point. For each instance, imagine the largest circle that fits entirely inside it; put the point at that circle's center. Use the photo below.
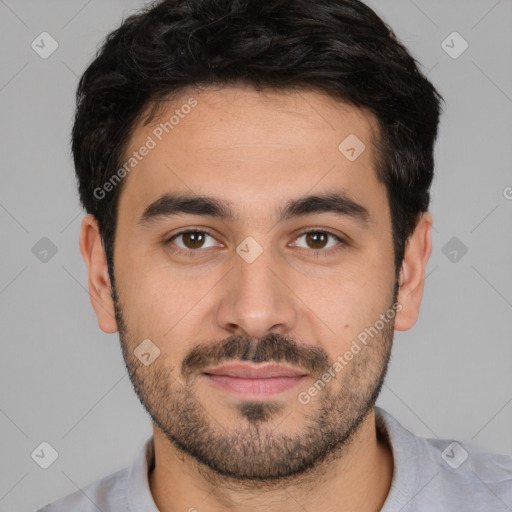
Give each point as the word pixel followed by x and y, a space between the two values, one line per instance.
pixel 316 252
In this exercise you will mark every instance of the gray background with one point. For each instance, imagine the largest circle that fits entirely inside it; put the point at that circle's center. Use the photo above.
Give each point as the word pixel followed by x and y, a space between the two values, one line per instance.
pixel 62 380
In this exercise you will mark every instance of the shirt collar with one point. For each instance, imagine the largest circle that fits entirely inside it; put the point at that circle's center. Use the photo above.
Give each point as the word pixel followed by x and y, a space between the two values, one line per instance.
pixel 139 494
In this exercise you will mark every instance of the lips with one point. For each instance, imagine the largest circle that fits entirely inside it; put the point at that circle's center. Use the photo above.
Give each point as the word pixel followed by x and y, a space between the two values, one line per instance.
pixel 255 371
pixel 249 380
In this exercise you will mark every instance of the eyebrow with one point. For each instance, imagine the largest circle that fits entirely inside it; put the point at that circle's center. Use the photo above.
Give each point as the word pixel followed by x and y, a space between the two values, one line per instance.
pixel 171 204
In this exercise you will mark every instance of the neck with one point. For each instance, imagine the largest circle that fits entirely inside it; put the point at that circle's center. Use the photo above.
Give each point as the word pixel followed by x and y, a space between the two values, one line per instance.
pixel 357 477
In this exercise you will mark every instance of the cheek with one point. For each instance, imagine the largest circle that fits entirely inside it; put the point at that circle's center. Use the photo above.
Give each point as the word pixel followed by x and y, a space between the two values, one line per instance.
pixel 350 302
pixel 159 301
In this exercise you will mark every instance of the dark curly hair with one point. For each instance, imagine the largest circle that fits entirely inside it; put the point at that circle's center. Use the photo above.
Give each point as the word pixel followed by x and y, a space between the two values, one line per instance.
pixel 340 47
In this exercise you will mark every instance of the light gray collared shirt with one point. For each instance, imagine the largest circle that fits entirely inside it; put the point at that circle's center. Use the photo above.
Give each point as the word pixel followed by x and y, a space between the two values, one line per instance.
pixel 430 475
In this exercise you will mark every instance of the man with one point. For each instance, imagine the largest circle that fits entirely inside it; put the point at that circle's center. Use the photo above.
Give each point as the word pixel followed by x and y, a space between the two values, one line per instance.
pixel 256 176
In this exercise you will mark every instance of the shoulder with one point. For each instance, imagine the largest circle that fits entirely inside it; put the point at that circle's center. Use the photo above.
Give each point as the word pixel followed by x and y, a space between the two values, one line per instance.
pixel 125 490
pixel 106 494
pixel 482 478
pixel 444 474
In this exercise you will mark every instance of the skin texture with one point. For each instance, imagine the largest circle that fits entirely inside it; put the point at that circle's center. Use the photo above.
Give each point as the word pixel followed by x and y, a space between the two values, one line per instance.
pixel 215 450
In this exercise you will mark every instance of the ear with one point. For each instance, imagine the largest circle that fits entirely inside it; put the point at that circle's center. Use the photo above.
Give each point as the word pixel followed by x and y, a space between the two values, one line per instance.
pixel 412 273
pixel 100 290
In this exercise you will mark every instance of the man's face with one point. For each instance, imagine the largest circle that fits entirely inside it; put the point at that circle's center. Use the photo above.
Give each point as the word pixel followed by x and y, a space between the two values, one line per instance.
pixel 260 287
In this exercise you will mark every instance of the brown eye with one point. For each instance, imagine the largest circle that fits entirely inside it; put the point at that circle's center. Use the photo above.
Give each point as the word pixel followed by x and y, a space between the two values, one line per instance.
pixel 191 240
pixel 319 240
pixel 316 239
pixel 319 244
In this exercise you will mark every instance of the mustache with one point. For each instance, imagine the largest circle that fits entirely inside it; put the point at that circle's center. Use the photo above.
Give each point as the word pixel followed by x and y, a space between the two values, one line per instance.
pixel 271 348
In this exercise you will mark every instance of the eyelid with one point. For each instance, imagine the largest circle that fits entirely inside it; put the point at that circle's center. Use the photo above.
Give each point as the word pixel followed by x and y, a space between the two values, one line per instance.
pixel 198 229
pixel 341 239
pixel 327 231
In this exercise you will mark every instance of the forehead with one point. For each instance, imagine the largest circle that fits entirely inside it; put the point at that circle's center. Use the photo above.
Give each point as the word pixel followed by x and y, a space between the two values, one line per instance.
pixel 248 146
pixel 258 118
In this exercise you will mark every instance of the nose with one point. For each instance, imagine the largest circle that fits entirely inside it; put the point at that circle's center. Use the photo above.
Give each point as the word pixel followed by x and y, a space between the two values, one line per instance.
pixel 257 299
